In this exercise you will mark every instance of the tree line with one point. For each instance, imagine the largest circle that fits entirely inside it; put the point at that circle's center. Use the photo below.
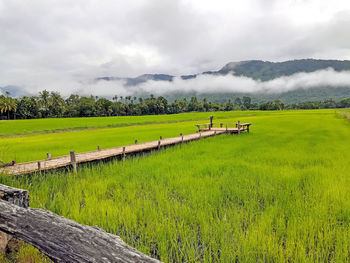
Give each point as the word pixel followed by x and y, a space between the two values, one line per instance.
pixel 52 105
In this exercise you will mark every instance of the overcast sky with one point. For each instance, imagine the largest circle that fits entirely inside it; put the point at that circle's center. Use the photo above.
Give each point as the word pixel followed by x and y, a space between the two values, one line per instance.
pixel 61 45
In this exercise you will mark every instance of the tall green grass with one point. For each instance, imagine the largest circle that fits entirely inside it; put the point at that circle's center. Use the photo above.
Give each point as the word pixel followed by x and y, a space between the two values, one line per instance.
pixel 25 254
pixel 278 194
pixel 34 147
pixel 22 127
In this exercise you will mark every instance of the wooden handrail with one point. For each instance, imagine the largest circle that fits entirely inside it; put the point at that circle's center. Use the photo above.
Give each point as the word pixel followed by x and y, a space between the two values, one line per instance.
pixel 230 126
pixel 233 123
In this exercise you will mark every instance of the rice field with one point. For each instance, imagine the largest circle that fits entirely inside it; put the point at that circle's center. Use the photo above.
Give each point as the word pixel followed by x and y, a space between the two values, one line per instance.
pixel 34 146
pixel 278 194
pixel 16 144
pixel 50 125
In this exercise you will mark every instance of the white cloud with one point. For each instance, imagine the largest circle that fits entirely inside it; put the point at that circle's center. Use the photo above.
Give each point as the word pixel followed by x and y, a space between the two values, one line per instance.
pixel 56 44
pixel 233 84
pixel 214 84
pixel 202 84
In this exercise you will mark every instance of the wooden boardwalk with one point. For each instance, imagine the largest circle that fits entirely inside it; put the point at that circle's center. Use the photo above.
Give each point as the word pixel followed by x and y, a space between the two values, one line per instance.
pixel 74 159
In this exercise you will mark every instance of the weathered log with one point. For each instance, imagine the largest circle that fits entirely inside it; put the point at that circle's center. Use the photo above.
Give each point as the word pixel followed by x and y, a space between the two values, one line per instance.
pixel 60 239
pixel 14 195
pixel 64 240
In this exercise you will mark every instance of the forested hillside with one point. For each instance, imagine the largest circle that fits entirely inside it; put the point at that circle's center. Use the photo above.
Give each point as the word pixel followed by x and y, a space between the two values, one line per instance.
pixel 265 70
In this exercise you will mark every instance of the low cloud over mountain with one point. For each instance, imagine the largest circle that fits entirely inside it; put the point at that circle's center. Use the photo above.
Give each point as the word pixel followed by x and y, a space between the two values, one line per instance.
pixel 256 78
pixel 240 77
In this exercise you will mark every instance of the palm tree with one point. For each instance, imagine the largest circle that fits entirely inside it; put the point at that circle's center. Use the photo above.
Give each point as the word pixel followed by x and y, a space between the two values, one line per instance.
pixel 44 97
pixel 3 104
pixel 56 105
pixel 44 102
pixel 7 104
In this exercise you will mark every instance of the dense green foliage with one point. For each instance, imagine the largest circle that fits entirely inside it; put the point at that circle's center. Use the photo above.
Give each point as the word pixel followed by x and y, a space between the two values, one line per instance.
pixel 266 70
pixel 52 105
pixel 278 194
pixel 292 97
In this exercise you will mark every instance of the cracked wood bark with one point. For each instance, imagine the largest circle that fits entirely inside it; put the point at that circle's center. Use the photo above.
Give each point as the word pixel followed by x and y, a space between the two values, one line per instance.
pixel 14 196
pixel 64 240
pixel 61 239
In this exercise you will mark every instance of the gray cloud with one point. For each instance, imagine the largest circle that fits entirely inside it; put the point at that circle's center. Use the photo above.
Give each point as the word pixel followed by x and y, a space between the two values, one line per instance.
pixel 60 44
pixel 225 84
pixel 202 84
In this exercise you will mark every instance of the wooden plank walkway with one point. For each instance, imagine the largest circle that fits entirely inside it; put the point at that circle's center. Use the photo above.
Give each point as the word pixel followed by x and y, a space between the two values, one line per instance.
pixel 73 159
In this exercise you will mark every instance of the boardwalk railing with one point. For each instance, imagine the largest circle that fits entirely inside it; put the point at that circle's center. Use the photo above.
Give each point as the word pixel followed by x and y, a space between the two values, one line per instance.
pixel 230 127
pixel 61 239
pixel 73 159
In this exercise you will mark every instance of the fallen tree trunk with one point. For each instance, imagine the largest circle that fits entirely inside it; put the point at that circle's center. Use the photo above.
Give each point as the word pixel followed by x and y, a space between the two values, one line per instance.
pixel 59 238
pixel 64 240
pixel 14 196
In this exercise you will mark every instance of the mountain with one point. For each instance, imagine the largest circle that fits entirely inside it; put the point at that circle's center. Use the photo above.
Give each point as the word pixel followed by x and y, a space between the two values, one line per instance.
pixel 262 71
pixel 293 96
pixel 140 79
pixel 255 69
pixel 265 70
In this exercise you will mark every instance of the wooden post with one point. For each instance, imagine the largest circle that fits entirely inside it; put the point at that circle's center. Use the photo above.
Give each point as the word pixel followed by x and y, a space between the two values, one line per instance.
pixel 160 137
pixel 158 144
pixel 73 161
pixel 124 154
pixel 239 127
pixel 211 122
pixel 48 155
pixel 98 148
pixel 221 125
pixel 39 166
pixel 135 141
pixel 248 128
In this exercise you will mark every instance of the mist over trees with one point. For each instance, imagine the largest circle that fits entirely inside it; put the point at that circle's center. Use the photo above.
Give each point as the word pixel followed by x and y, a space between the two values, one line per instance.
pixel 53 105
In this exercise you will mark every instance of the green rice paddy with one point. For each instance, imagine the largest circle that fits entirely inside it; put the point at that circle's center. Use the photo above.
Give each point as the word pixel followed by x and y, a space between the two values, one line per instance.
pixel 278 194
pixel 35 126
